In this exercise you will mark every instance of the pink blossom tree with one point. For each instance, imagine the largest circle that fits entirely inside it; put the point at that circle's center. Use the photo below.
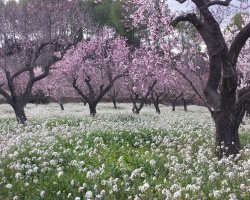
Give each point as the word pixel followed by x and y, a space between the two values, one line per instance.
pixel 92 67
pixel 31 36
pixel 147 79
pixel 220 89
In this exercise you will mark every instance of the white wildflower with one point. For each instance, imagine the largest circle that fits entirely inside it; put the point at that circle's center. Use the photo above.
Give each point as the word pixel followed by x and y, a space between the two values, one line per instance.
pixel 90 175
pixel 177 194
pixel 69 195
pixel 231 175
pixel 42 193
pixel 9 186
pixel 115 188
pixel 72 183
pixel 89 194
pixel 232 197
pixel 152 162
pixel 60 173
pixel 18 175
pixel 216 193
pixel 144 187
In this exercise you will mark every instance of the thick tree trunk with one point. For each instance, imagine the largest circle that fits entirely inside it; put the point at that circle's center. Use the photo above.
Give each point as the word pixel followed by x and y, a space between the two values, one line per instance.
pixel 227 136
pixel 135 110
pixel 157 108
pixel 92 109
pixel 248 111
pixel 20 114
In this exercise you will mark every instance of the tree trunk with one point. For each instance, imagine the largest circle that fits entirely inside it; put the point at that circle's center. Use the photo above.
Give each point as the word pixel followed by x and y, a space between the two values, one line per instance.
pixel 173 105
pixel 114 103
pixel 184 104
pixel 20 114
pixel 248 111
pixel 61 105
pixel 135 110
pixel 227 136
pixel 157 108
pixel 92 109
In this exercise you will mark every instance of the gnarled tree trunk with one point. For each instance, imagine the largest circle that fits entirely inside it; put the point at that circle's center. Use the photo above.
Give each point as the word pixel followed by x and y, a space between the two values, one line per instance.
pixel 226 111
pixel 134 97
pixel 20 113
pixel 92 109
pixel 174 101
pixel 227 139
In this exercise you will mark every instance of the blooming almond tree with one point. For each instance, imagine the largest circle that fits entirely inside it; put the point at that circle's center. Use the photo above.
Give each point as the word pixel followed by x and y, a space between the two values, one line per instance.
pixel 226 110
pixel 31 36
pixel 221 85
pixel 147 69
pixel 93 66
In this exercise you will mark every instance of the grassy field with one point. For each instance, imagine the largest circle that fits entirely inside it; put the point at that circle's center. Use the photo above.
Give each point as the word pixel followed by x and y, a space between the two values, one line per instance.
pixel 117 155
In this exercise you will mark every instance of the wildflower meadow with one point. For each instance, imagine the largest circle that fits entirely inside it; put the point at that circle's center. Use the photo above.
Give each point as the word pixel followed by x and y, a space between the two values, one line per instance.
pixel 117 155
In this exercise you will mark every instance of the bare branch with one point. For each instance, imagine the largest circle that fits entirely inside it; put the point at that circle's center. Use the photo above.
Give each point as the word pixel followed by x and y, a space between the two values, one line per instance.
pixel 181 1
pixel 19 72
pixel 241 107
pixel 80 91
pixel 191 17
pixel 238 43
pixel 6 95
pixel 221 3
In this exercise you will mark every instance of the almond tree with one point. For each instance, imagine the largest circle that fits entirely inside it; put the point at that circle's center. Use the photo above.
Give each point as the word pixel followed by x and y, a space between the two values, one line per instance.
pixel 35 35
pixel 92 67
pixel 221 85
pixel 145 72
pixel 226 110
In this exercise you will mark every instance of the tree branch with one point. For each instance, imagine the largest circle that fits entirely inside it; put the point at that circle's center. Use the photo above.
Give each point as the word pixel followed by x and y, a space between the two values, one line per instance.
pixel 191 17
pixel 80 91
pixel 241 107
pixel 238 43
pixel 181 1
pixel 6 95
pixel 221 3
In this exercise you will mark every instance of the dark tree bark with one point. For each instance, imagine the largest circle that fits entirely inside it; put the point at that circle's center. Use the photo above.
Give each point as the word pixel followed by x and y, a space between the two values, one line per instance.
pixel 84 102
pixel 174 100
pixel 134 97
pixel 157 99
pixel 248 111
pixel 20 114
pixel 186 101
pixel 61 106
pixel 226 110
pixel 95 96
pixel 114 102
pixel 113 95
pixel 92 109
pixel 61 103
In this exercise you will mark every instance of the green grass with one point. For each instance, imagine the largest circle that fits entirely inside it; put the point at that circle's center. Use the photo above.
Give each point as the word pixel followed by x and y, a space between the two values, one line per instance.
pixel 120 156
